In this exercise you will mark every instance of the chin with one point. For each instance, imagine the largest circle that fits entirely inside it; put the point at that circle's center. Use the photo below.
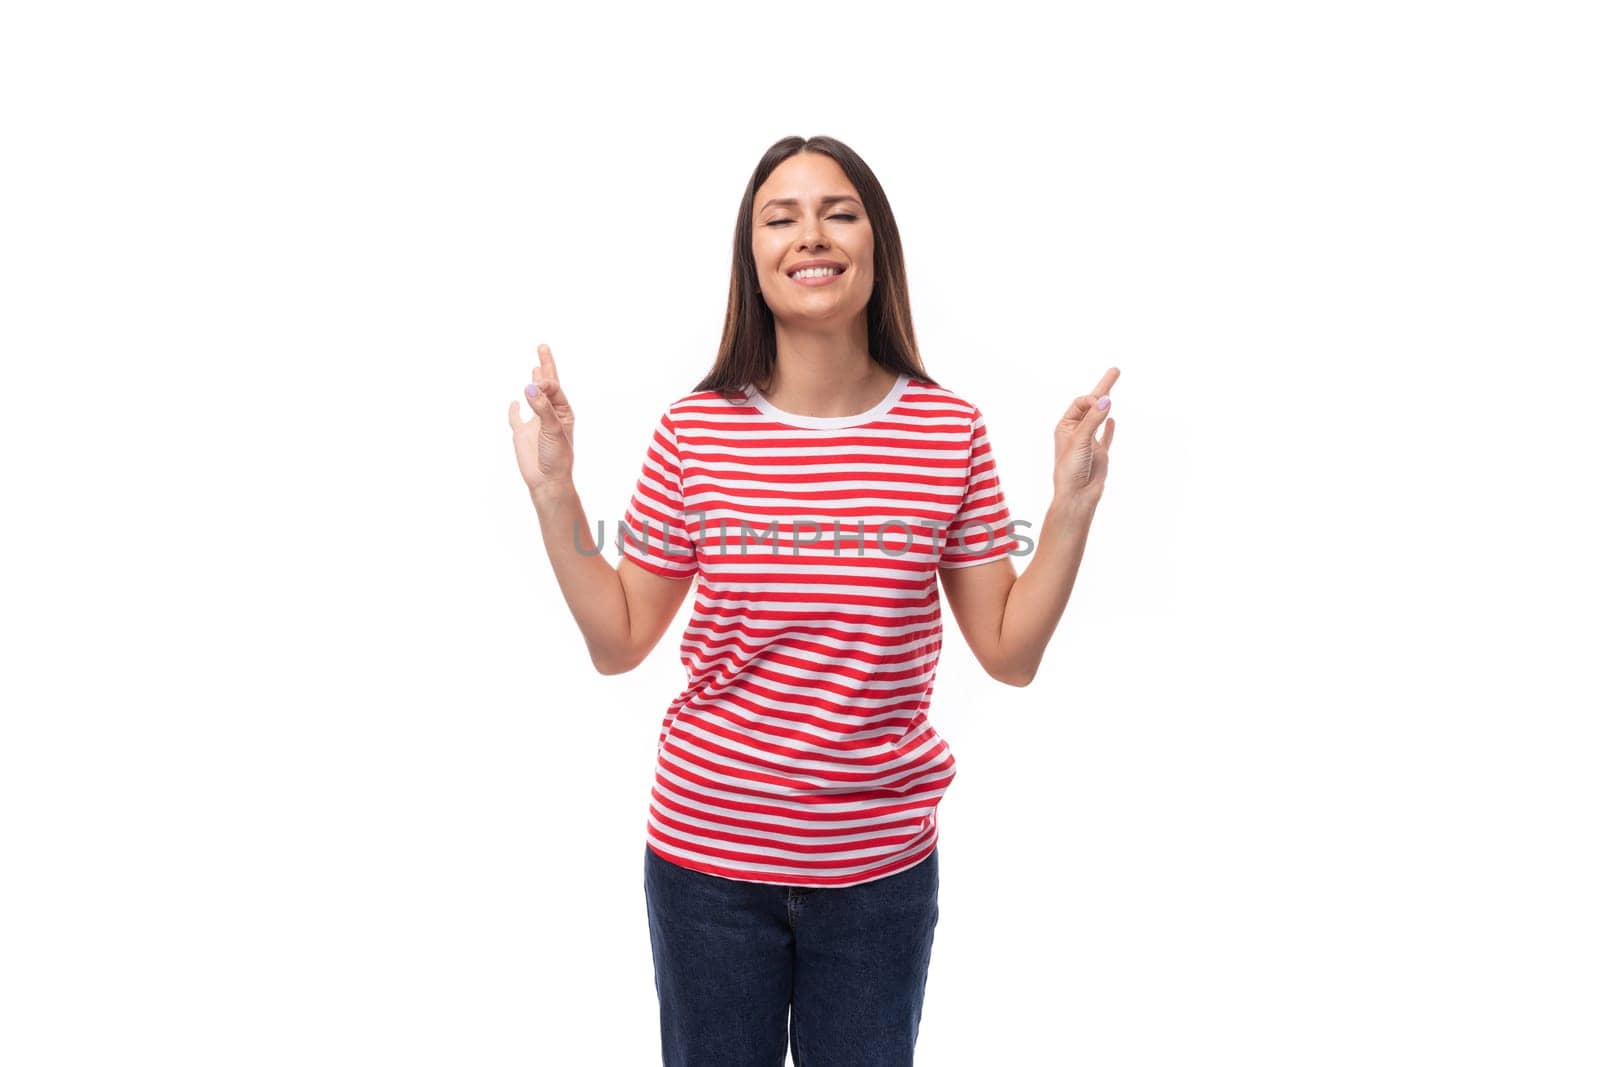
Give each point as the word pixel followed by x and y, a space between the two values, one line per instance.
pixel 827 314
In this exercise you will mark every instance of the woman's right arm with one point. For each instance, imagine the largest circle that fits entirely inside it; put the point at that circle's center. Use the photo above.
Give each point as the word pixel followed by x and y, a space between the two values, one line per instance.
pixel 621 611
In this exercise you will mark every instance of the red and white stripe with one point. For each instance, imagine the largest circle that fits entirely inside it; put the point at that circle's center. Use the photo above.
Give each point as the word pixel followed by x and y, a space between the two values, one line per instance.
pixel 800 752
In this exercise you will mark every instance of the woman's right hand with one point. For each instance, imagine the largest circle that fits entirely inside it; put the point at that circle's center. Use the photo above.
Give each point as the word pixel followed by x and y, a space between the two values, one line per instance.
pixel 544 442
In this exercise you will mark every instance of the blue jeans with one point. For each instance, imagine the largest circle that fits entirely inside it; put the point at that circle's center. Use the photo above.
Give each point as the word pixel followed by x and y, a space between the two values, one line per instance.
pixel 744 969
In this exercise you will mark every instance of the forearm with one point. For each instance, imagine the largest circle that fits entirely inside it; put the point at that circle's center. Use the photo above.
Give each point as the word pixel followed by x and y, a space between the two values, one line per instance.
pixel 1039 595
pixel 592 587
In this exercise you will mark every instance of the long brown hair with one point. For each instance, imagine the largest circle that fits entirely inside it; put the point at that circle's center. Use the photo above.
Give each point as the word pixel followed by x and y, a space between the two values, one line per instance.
pixel 749 347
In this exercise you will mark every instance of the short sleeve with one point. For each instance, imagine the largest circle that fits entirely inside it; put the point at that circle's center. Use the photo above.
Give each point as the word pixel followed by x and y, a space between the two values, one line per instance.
pixel 981 530
pixel 654 532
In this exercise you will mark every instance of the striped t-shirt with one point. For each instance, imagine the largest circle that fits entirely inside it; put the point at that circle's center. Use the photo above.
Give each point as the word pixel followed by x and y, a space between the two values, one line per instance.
pixel 800 752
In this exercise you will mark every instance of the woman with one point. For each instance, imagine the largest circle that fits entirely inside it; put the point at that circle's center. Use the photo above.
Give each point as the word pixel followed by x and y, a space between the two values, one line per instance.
pixel 814 482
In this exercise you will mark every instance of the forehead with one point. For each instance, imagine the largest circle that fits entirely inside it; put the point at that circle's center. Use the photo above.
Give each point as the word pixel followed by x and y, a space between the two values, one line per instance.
pixel 805 177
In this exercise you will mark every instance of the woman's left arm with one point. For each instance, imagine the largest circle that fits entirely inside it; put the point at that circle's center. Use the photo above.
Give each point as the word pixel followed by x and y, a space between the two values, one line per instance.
pixel 1006 619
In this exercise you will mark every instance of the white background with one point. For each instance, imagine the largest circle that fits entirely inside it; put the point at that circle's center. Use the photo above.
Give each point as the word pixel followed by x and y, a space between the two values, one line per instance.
pixel 303 760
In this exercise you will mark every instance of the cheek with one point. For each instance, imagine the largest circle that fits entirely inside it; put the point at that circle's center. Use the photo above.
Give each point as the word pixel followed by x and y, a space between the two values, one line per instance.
pixel 769 254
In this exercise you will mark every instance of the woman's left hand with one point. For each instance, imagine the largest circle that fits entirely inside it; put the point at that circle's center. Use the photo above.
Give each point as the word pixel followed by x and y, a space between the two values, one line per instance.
pixel 1081 460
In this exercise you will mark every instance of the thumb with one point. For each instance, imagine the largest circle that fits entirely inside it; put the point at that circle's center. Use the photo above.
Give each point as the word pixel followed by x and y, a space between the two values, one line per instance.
pixel 1099 409
pixel 548 422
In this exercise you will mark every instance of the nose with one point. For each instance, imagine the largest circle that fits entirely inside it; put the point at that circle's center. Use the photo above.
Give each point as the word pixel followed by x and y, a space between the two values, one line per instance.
pixel 811 235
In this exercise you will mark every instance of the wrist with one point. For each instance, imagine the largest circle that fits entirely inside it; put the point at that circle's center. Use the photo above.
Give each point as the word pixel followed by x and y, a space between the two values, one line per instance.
pixel 552 493
pixel 1072 508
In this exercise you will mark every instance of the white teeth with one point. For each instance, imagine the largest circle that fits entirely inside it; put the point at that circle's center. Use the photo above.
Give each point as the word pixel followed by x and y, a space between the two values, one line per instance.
pixel 817 272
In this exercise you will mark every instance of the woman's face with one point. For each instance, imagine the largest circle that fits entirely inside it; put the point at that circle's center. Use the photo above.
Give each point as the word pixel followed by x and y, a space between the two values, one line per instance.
pixel 806 211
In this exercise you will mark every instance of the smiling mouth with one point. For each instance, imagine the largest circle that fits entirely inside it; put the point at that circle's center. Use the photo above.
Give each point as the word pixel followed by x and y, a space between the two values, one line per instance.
pixel 818 276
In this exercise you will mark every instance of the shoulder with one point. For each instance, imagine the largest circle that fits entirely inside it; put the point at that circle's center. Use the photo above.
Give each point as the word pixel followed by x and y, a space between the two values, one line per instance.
pixel 941 403
pixel 705 410
pixel 705 400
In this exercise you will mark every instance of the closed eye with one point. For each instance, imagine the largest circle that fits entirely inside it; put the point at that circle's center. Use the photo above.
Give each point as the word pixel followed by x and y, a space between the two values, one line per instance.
pixel 785 222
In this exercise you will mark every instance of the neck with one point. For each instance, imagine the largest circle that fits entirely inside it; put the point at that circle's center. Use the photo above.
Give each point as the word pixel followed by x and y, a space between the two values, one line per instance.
pixel 826 372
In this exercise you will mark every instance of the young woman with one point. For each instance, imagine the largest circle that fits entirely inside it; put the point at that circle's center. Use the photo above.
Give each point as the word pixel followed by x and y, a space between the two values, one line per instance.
pixel 813 482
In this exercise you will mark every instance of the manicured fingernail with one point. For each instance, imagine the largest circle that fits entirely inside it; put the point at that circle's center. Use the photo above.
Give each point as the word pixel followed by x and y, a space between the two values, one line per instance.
pixel 531 390
pixel 1105 402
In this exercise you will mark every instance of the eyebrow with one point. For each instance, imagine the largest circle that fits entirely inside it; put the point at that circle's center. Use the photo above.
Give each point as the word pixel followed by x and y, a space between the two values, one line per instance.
pixel 791 202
